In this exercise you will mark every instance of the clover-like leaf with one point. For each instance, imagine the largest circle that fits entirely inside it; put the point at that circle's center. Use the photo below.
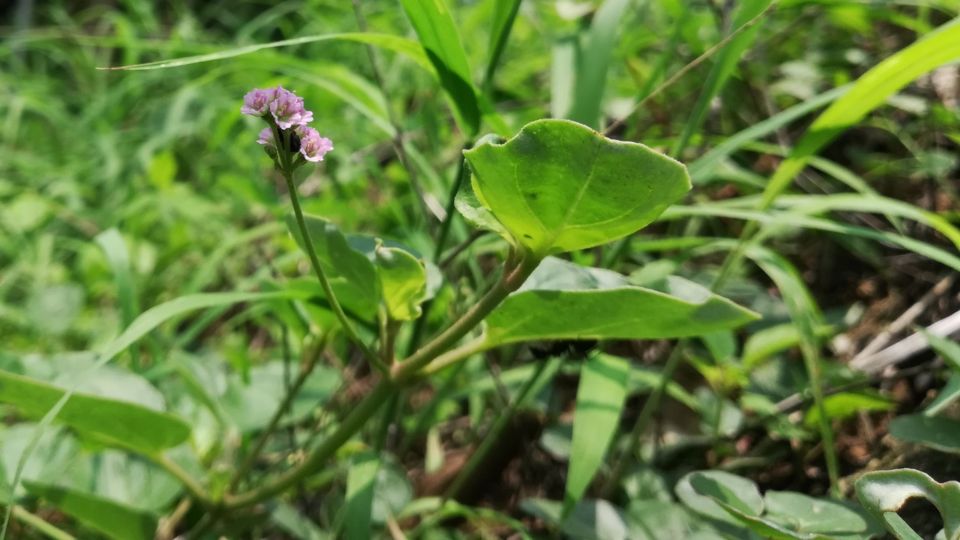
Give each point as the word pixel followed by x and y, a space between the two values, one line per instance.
pixel 560 186
pixel 404 281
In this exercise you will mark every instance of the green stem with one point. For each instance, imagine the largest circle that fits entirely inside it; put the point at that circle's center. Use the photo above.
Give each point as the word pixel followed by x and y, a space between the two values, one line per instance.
pixel 193 487
pixel 493 436
pixel 512 278
pixel 307 368
pixel 455 355
pixel 350 425
pixel 38 523
pixel 401 374
pixel 451 202
pixel 811 360
pixel 322 275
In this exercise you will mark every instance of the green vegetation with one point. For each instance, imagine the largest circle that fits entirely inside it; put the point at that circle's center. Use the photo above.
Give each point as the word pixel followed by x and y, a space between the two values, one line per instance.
pixel 593 270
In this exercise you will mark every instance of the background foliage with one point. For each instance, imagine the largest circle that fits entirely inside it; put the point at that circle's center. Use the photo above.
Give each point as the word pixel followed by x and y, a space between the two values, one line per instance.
pixel 821 139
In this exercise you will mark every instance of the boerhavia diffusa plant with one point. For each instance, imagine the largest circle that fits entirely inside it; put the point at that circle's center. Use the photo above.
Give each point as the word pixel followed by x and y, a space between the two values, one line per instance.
pixel 555 187
pixel 472 337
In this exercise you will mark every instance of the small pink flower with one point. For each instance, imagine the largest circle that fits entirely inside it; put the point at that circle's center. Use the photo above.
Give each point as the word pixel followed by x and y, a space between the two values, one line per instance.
pixel 257 101
pixel 312 146
pixel 287 109
pixel 266 137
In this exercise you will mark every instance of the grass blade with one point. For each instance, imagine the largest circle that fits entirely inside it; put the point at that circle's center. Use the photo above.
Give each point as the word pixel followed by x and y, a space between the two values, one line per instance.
pixel 396 44
pixel 600 399
pixel 722 69
pixel 593 61
pixel 438 34
pixel 504 14
pixel 869 92
pixel 704 167
pixel 806 315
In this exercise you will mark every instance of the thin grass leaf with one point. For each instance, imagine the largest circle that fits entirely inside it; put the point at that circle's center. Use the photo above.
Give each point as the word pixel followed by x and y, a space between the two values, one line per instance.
pixel 806 315
pixel 788 223
pixel 705 166
pixel 115 250
pixel 504 15
pixel 592 62
pixel 600 399
pixel 438 34
pixel 721 71
pixel 397 44
pixel 869 92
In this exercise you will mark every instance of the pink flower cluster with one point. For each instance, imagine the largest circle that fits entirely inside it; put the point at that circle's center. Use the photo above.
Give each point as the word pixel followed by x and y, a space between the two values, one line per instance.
pixel 284 110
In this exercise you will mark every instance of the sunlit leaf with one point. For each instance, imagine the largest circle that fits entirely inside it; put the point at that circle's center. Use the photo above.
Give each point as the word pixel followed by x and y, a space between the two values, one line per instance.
pixel 559 186
pixel 403 278
pixel 564 301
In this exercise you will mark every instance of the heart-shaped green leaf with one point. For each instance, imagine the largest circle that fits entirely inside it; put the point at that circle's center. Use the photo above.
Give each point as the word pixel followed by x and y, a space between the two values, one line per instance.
pixel 560 186
pixel 562 300
pixel 351 274
pixel 404 281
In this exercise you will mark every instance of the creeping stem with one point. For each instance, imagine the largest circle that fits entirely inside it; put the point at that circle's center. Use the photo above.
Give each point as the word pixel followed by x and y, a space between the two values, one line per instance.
pixel 400 374
pixel 286 168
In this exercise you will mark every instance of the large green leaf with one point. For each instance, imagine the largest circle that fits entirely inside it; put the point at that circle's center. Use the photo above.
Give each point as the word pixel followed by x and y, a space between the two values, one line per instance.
pixel 118 423
pixel 884 492
pixel 591 519
pixel 600 398
pixel 438 34
pixel 704 491
pixel 352 275
pixel 559 186
pixel 404 281
pixel 808 515
pixel 562 300
pixel 780 515
pixel 115 520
